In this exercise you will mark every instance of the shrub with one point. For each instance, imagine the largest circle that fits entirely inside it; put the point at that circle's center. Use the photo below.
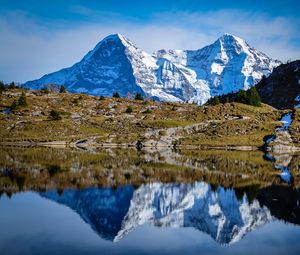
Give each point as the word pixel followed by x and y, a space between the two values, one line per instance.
pixel 138 96
pixel 116 95
pixel 129 109
pixel 54 115
pixel 45 90
pixel 14 105
pixel 148 111
pixel 101 98
pixel 75 101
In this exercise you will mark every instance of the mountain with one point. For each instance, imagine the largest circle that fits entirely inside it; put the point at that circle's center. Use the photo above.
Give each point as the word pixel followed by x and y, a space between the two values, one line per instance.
pixel 114 213
pixel 282 88
pixel 116 64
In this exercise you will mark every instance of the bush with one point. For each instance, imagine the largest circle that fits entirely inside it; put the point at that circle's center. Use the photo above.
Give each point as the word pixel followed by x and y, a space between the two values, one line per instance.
pixel 54 115
pixel 116 95
pixel 45 90
pixel 14 105
pixel 138 96
pixel 62 89
pixel 101 98
pixel 148 111
pixel 129 109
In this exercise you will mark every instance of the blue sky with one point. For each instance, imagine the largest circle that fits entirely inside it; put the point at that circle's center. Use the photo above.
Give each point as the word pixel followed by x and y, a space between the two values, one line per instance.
pixel 42 36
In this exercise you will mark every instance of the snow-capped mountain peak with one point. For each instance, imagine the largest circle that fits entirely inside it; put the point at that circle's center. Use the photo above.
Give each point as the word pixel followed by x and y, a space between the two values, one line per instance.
pixel 109 41
pixel 117 64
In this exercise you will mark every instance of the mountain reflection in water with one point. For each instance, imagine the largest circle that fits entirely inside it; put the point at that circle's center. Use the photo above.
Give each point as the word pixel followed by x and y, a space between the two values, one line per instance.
pixel 227 215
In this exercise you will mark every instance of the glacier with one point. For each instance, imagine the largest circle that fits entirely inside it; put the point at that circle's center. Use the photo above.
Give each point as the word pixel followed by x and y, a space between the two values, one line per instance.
pixel 116 64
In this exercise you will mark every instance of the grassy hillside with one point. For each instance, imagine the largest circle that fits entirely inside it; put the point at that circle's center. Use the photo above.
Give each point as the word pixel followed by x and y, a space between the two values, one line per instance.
pixel 108 120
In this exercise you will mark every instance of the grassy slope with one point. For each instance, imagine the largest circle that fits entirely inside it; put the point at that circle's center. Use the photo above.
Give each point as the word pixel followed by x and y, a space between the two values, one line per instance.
pixel 106 119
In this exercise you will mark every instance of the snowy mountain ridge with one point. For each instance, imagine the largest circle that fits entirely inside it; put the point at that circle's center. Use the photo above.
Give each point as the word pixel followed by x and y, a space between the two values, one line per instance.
pixel 117 64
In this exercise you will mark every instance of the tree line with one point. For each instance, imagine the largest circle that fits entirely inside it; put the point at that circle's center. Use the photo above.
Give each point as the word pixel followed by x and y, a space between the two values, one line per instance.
pixel 249 97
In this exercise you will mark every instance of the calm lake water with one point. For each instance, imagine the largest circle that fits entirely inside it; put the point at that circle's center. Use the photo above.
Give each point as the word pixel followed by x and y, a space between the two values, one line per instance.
pixel 70 202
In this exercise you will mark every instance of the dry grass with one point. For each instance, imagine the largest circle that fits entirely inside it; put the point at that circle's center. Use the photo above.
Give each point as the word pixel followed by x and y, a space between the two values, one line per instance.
pixel 84 116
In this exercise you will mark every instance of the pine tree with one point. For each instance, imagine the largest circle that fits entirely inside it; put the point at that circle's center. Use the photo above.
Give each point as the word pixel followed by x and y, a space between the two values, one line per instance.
pixel 254 97
pixel 2 86
pixel 22 100
pixel 242 97
pixel 62 89
pixel 116 95
pixel 215 100
pixel 12 85
pixel 138 96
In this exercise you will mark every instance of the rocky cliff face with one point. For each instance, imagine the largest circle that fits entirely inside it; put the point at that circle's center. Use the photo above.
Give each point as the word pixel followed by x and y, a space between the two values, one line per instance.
pixel 282 88
pixel 116 64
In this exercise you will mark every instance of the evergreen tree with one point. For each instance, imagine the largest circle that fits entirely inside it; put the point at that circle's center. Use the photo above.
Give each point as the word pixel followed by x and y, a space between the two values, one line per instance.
pixel 22 100
pixel 12 85
pixel 242 97
pixel 254 97
pixel 215 100
pixel 138 96
pixel 116 95
pixel 2 86
pixel 62 89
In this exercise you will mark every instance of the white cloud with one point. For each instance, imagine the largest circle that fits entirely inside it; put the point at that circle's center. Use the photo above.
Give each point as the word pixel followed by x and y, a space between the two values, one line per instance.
pixel 29 49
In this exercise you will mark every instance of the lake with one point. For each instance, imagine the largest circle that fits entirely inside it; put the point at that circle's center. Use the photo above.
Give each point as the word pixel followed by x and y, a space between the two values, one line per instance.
pixel 123 201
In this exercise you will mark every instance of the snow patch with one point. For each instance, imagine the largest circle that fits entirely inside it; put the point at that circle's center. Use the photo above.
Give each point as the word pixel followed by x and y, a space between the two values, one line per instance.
pixel 217 68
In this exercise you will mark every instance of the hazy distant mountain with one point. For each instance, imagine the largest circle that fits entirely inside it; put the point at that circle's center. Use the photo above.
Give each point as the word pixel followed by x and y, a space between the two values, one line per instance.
pixel 116 64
